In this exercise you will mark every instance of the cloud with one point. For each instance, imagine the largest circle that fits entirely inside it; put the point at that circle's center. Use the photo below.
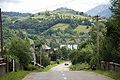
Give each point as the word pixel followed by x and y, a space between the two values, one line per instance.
pixel 42 5
pixel 10 1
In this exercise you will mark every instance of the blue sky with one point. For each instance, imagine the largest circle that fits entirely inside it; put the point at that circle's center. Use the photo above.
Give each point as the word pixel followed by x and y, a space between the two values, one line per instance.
pixel 34 6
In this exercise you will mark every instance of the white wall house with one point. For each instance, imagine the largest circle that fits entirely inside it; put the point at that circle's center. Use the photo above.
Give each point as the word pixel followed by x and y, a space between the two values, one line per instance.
pixel 70 46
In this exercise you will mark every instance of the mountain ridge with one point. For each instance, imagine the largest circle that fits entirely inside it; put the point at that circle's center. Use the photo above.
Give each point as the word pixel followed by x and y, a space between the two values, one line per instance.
pixel 101 10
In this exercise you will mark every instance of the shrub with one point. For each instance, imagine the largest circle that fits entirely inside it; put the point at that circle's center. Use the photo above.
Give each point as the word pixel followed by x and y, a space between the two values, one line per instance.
pixel 83 66
pixel 58 61
pixel 31 67
pixel 45 60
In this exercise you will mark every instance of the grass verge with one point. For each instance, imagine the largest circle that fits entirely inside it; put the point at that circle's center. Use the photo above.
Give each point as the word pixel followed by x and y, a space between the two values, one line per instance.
pixel 49 67
pixel 112 74
pixel 77 67
pixel 85 67
pixel 19 75
pixel 53 64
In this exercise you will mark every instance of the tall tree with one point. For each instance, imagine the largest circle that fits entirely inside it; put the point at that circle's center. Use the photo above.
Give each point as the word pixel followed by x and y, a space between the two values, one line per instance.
pixel 111 44
pixel 20 49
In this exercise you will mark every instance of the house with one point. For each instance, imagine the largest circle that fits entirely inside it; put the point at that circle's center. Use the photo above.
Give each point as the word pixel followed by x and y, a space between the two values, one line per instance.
pixel 70 46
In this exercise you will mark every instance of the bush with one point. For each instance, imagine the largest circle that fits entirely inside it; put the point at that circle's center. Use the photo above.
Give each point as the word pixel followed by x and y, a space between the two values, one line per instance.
pixel 31 67
pixel 45 60
pixel 19 75
pixel 77 67
pixel 58 61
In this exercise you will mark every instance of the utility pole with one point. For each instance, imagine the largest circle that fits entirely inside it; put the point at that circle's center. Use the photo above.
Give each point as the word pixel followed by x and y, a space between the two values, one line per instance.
pixel 98 37
pixel 1 34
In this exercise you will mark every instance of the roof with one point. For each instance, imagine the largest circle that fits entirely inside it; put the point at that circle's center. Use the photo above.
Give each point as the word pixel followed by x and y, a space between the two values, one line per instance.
pixel 45 47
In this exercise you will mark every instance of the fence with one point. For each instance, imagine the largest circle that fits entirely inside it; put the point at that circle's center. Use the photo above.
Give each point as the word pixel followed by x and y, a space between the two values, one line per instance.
pixel 110 66
pixel 8 67
pixel 2 66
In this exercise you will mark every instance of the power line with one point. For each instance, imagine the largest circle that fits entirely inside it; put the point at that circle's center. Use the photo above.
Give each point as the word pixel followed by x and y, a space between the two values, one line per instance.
pixel 53 6
pixel 1 34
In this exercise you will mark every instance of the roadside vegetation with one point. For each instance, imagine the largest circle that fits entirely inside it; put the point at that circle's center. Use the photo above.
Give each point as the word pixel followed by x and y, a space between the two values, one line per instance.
pixel 109 42
pixel 47 68
pixel 109 50
pixel 78 67
pixel 86 67
pixel 52 64
pixel 112 74
pixel 19 75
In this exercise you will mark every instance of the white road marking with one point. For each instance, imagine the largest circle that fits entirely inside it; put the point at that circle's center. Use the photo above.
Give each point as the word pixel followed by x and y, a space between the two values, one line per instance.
pixel 65 78
pixel 63 74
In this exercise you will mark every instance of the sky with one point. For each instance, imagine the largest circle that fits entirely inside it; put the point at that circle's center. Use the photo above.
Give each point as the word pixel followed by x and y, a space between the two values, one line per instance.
pixel 34 6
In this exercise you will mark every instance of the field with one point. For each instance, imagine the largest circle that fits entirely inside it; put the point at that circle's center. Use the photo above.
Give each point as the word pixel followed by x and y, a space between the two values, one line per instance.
pixel 82 28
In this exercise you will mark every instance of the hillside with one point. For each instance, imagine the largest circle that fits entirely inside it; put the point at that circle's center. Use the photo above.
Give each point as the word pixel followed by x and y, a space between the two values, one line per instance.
pixel 101 10
pixel 16 14
pixel 49 23
pixel 66 10
pixel 40 22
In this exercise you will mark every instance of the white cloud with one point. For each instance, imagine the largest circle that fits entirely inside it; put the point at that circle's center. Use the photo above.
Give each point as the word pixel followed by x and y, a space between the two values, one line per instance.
pixel 42 5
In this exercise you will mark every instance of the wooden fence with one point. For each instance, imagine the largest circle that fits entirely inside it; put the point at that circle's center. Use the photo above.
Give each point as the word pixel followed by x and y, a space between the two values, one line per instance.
pixel 110 66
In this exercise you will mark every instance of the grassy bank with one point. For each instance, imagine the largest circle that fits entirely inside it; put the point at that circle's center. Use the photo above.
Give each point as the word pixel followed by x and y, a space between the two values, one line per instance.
pixel 83 66
pixel 14 75
pixel 53 64
pixel 77 67
pixel 49 67
pixel 112 74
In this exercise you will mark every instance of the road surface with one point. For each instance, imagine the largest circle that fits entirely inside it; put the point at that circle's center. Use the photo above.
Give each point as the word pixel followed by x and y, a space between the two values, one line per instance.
pixel 61 72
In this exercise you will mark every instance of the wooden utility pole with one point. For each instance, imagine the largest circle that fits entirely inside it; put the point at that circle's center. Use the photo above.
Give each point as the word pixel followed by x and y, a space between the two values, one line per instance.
pixel 98 38
pixel 1 34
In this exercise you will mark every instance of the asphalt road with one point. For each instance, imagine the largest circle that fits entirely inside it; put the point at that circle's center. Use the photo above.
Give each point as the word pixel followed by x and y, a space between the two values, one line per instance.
pixel 61 72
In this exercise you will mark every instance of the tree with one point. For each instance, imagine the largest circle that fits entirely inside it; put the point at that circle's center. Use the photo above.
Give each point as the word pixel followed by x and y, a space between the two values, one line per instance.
pixel 20 49
pixel 64 52
pixel 111 44
pixel 45 59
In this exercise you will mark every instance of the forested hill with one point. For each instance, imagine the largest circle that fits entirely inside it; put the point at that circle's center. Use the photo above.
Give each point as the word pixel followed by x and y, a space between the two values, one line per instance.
pixel 66 10
pixel 60 22
pixel 15 14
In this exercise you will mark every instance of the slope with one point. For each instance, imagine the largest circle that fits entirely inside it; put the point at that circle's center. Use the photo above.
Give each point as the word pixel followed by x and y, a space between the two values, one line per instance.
pixel 101 10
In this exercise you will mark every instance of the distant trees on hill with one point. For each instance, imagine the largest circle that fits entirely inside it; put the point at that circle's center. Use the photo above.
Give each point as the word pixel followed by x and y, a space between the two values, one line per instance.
pixel 13 14
pixel 44 25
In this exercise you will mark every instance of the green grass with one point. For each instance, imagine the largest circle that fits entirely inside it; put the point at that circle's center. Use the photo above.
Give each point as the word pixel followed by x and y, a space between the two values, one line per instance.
pixel 112 74
pixel 14 75
pixel 60 26
pixel 49 67
pixel 53 64
pixel 81 28
pixel 78 67
pixel 77 16
pixel 83 66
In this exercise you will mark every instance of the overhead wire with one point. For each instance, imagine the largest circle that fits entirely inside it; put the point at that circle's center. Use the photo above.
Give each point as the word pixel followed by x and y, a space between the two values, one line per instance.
pixel 45 8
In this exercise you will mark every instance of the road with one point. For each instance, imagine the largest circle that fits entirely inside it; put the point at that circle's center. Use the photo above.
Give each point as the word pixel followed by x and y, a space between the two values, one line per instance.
pixel 61 72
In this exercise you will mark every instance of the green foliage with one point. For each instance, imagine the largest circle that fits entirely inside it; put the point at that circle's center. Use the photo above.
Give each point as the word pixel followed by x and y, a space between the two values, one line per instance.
pixel 14 75
pixel 84 54
pixel 76 57
pixel 81 28
pixel 44 22
pixel 54 44
pixel 112 74
pixel 77 67
pixel 111 43
pixel 47 68
pixel 60 26
pixel 45 60
pixel 64 53
pixel 20 49
pixel 31 67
